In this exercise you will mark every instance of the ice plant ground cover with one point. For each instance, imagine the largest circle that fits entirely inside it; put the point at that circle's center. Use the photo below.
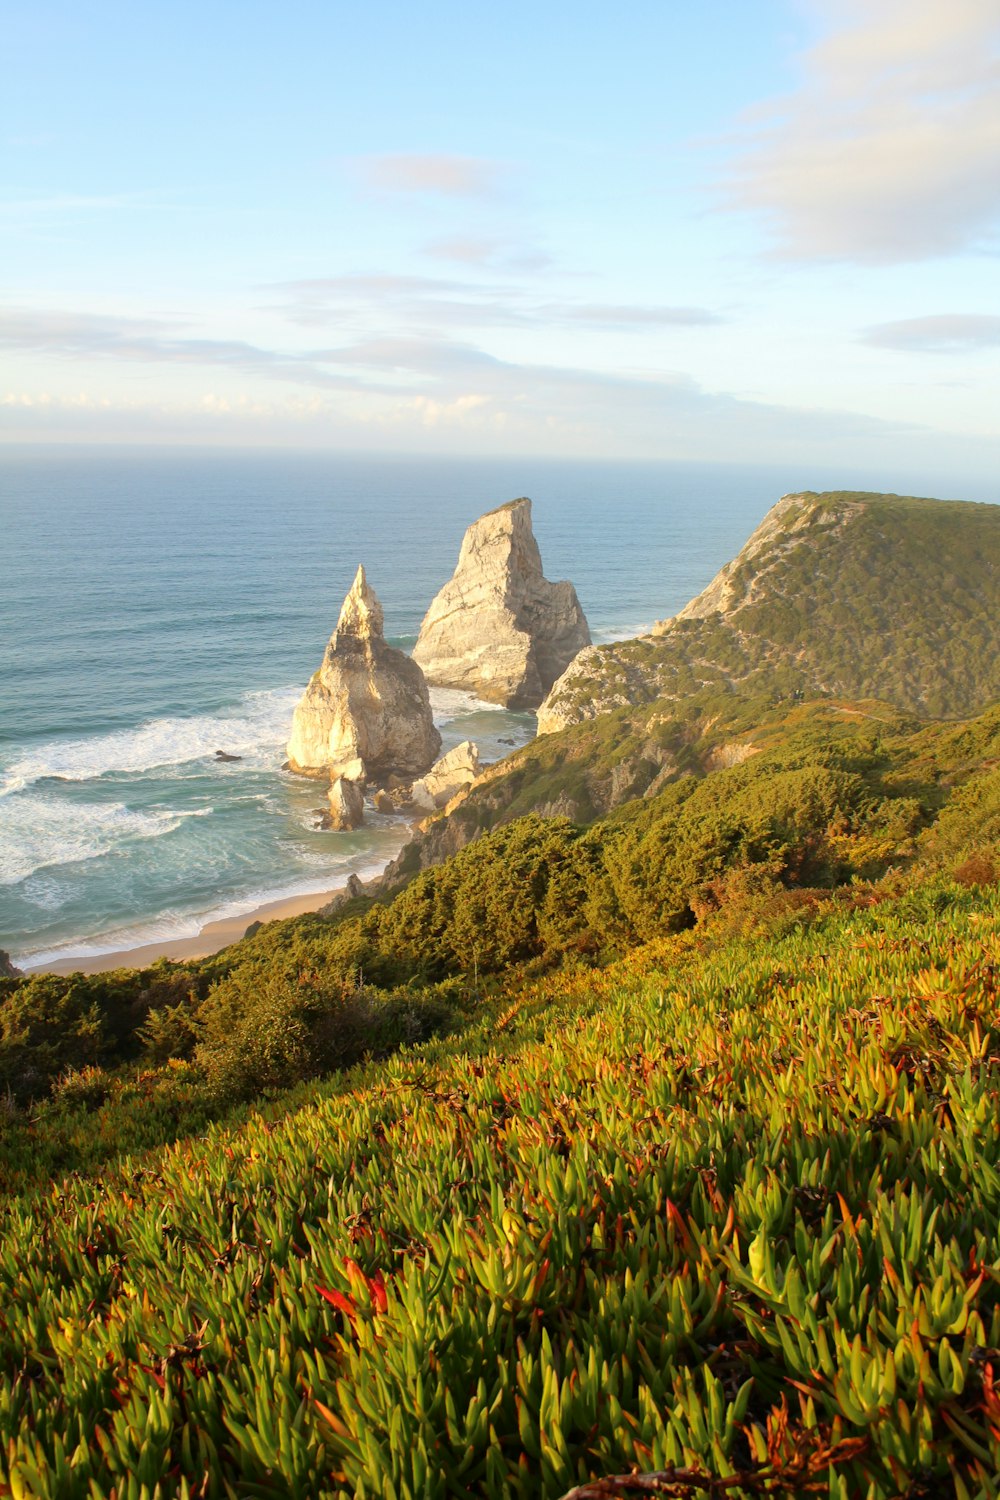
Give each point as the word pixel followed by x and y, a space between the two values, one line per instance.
pixel 730 1207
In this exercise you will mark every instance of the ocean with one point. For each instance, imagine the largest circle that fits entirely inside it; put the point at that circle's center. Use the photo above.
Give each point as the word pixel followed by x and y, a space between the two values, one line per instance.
pixel 159 605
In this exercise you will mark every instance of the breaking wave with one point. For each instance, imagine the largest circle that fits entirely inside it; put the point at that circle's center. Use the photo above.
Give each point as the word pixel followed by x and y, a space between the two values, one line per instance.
pixel 257 728
pixel 40 832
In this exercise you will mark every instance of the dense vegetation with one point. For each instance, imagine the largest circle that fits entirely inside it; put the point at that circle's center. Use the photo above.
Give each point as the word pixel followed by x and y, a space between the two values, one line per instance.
pixel 670 1139
pixel 883 596
pixel 729 1209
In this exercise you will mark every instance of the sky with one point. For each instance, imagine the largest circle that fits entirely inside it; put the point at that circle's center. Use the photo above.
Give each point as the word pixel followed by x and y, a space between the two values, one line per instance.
pixel 742 230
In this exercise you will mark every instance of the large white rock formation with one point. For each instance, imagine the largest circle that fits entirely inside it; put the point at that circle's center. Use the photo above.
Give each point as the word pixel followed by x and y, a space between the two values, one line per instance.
pixel 446 777
pixel 366 714
pixel 499 628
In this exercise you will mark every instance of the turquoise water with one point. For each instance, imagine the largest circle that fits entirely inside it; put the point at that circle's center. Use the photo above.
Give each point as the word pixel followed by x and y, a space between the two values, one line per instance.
pixel 159 605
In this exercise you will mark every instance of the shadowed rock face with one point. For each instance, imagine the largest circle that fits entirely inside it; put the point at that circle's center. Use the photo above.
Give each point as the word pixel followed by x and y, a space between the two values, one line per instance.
pixel 366 714
pixel 499 628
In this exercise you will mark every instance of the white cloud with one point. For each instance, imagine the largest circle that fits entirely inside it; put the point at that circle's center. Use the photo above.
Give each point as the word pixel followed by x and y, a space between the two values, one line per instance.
pixel 889 149
pixel 942 333
pixel 403 389
pixel 603 315
pixel 447 175
pixel 426 304
pixel 86 336
pixel 495 254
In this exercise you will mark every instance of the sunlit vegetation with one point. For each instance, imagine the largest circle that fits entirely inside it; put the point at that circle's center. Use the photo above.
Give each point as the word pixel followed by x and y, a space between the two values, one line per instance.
pixel 883 596
pixel 731 1209
pixel 668 1140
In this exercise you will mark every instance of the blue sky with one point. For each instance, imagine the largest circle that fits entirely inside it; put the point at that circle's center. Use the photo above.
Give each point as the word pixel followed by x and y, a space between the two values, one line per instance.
pixel 759 231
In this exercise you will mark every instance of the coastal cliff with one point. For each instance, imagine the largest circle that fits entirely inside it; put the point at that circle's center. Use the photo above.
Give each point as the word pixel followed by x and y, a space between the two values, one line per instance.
pixel 366 714
pixel 883 608
pixel 846 593
pixel 499 628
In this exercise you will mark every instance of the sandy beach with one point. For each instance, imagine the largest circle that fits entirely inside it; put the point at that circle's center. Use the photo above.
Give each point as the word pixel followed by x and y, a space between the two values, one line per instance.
pixel 212 937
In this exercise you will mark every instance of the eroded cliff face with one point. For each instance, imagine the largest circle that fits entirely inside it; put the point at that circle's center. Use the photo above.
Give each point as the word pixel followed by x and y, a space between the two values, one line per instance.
pixel 499 628
pixel 366 714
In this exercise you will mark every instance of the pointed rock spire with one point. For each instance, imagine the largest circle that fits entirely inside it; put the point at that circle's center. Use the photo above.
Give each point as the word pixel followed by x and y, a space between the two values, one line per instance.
pixel 361 613
pixel 366 714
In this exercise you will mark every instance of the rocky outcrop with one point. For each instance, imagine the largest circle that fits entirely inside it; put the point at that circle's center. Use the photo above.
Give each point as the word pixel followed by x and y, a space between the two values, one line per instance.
pixel 847 594
pixel 353 890
pixel 7 969
pixel 347 805
pixel 446 777
pixel 499 628
pixel 365 715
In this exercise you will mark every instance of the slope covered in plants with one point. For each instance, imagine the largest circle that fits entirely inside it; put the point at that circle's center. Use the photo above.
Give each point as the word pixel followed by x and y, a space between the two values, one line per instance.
pixel 844 593
pixel 825 797
pixel 730 1207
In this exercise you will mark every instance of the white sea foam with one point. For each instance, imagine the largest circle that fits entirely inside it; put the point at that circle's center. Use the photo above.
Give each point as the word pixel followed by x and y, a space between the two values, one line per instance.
pixel 257 729
pixel 39 832
pixel 455 703
pixel 172 925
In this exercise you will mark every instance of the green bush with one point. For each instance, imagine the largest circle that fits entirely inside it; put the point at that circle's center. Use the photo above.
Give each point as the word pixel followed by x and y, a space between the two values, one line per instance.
pixel 268 1031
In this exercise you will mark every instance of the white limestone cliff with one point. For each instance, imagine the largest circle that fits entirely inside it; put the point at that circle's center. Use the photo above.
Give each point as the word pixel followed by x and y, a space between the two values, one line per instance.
pixel 499 628
pixel 365 715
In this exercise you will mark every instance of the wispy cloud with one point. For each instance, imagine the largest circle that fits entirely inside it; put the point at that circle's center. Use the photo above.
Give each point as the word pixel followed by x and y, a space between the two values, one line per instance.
pixel 444 175
pixel 431 304
pixel 82 336
pixel 402 392
pixel 495 254
pixel 943 333
pixel 603 315
pixel 889 150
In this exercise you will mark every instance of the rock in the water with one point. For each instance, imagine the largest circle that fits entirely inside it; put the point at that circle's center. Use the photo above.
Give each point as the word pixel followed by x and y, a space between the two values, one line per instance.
pixel 225 755
pixel 366 714
pixel 499 628
pixel 446 777
pixel 347 805
pixel 7 969
pixel 383 803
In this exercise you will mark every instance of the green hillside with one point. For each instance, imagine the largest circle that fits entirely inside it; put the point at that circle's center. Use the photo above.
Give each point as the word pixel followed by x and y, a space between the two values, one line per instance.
pixel 727 1206
pixel 828 797
pixel 847 594
pixel 658 1138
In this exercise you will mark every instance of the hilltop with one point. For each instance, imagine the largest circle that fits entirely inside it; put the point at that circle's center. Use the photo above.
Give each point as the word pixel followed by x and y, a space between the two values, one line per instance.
pixel 844 594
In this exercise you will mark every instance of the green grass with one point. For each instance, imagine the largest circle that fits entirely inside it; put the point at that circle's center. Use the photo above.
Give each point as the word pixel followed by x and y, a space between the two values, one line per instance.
pixel 727 1208
pixel 670 1140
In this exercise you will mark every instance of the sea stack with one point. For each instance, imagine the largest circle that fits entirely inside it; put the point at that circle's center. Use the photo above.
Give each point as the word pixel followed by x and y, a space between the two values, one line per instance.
pixel 499 628
pixel 366 715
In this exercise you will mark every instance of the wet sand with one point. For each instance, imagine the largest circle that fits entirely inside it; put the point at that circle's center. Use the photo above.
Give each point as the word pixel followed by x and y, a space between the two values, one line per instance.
pixel 212 937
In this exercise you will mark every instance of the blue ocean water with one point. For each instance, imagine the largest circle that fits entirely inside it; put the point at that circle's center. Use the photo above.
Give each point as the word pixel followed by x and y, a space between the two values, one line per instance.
pixel 161 604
